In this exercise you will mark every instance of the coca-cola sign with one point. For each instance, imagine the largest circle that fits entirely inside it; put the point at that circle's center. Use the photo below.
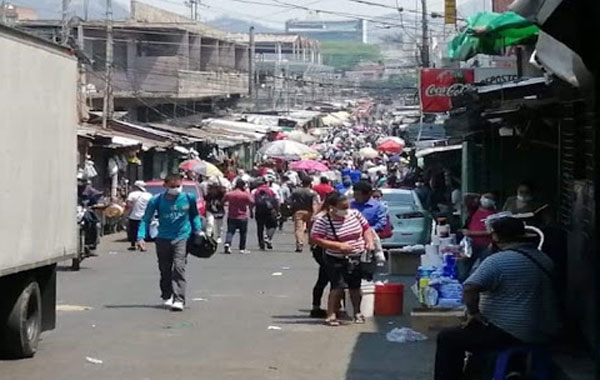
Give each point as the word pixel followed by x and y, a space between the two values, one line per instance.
pixel 438 86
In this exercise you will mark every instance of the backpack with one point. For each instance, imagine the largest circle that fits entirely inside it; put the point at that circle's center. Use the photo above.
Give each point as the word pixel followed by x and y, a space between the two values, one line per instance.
pixel 265 202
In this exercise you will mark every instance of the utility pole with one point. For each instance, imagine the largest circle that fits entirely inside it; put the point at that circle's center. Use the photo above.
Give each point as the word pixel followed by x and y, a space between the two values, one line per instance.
pixel 425 35
pixel 3 9
pixel 251 53
pixel 64 37
pixel 193 4
pixel 108 106
pixel 86 9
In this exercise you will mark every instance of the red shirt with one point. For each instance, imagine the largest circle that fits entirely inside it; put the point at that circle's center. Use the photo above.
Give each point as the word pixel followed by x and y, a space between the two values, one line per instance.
pixel 323 189
pixel 476 224
pixel 238 201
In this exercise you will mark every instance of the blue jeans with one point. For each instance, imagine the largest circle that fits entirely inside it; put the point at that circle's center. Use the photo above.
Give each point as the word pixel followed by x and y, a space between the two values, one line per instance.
pixel 232 226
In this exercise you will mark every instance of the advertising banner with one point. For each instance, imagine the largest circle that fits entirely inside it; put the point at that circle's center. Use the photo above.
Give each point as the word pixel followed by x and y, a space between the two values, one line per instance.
pixel 437 86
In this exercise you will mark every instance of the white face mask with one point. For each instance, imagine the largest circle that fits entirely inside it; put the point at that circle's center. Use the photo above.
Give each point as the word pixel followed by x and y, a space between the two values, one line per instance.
pixel 524 198
pixel 341 213
pixel 487 203
pixel 175 190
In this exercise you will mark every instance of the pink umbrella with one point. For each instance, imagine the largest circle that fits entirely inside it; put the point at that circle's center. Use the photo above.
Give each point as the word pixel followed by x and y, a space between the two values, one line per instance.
pixel 309 165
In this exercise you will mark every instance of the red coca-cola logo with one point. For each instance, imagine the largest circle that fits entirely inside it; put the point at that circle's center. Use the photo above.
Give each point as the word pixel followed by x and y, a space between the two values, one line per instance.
pixel 454 89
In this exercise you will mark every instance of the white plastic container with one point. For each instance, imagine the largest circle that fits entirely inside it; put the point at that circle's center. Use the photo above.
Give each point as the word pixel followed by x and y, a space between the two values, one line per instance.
pixel 367 305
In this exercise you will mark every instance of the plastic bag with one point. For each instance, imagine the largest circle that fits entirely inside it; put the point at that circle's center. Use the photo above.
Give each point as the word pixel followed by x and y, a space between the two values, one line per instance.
pixel 404 335
pixel 466 246
pixel 153 229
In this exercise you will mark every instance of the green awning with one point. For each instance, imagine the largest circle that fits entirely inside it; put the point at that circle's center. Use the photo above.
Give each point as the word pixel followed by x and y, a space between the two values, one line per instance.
pixel 489 33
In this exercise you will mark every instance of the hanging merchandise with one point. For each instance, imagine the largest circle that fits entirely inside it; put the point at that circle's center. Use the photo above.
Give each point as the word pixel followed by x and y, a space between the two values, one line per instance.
pixel 113 167
pixel 89 170
pixel 121 161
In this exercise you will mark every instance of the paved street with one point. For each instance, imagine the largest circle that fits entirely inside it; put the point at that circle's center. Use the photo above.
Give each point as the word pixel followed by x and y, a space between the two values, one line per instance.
pixel 232 300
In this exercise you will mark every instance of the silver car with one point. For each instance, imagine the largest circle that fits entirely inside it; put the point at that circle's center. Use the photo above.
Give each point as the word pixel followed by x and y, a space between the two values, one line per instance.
pixel 411 223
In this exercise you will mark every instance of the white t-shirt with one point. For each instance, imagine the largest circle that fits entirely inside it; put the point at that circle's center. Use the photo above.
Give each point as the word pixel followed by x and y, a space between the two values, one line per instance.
pixel 139 201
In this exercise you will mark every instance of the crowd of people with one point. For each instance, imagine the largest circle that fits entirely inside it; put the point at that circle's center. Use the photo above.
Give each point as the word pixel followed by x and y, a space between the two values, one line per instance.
pixel 340 216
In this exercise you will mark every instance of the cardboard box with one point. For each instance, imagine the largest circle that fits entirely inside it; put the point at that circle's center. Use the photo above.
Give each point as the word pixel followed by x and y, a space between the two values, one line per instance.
pixel 403 263
pixel 431 321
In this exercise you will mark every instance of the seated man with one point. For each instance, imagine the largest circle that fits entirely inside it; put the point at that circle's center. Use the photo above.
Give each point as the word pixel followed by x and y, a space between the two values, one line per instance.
pixel 510 301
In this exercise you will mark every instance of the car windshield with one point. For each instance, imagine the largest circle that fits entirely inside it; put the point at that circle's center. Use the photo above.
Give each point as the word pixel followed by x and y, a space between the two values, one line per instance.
pixel 159 189
pixel 400 198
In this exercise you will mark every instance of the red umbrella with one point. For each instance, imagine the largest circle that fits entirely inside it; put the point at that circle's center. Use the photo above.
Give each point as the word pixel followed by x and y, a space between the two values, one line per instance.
pixel 188 165
pixel 390 146
pixel 280 136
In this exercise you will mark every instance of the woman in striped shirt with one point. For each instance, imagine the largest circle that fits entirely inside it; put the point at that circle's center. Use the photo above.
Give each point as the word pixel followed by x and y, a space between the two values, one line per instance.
pixel 345 235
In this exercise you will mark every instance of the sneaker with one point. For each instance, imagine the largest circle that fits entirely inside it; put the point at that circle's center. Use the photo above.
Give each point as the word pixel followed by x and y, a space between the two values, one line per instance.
pixel 227 249
pixel 269 245
pixel 298 250
pixel 177 306
pixel 168 303
pixel 219 241
pixel 244 252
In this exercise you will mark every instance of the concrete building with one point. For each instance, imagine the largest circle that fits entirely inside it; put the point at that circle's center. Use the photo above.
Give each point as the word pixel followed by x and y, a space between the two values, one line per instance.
pixel 165 65
pixel 333 30
pixel 289 71
pixel 10 13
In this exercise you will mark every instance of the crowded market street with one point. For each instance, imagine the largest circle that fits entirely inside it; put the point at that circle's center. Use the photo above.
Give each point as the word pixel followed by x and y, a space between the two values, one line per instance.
pixel 223 335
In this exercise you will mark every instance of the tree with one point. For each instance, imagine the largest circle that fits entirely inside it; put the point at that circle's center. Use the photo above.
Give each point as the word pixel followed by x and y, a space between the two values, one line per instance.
pixel 347 55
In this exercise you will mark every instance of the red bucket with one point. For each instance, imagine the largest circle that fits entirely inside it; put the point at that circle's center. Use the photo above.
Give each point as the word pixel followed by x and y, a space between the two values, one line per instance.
pixel 389 299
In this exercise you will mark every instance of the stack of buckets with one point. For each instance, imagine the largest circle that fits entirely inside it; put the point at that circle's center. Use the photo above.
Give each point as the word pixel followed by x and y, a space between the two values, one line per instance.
pixel 384 300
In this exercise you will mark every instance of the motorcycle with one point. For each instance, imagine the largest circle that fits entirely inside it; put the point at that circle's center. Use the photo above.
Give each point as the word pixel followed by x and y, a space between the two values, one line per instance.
pixel 89 235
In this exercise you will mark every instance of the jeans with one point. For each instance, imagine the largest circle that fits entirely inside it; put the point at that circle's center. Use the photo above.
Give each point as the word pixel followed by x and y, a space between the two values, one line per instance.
pixel 453 343
pixel 214 225
pixel 132 231
pixel 301 220
pixel 263 222
pixel 172 258
pixel 232 226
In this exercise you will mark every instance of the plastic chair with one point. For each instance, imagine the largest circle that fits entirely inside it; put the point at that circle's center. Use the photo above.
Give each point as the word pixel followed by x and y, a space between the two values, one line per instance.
pixel 537 362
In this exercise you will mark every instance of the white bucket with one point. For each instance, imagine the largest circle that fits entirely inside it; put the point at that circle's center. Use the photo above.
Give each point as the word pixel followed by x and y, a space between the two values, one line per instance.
pixel 367 305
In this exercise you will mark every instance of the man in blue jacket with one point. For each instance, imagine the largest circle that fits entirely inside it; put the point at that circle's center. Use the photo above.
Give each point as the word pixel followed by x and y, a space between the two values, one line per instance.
pixel 373 210
pixel 178 219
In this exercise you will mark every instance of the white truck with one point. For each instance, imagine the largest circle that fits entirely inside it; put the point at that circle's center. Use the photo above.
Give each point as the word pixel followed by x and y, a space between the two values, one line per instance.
pixel 38 196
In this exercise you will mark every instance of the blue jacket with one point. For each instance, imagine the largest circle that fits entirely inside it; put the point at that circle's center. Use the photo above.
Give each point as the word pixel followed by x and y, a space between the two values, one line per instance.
pixel 178 218
pixel 374 212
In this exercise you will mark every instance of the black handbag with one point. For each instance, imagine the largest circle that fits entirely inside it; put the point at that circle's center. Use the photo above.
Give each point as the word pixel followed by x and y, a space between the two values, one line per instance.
pixel 201 246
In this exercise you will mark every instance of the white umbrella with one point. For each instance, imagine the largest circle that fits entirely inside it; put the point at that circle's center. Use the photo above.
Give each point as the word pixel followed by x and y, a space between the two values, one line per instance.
pixel 286 149
pixel 368 153
pixel 301 137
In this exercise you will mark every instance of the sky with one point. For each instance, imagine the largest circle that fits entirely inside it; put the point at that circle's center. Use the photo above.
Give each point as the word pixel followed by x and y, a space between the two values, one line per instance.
pixel 277 13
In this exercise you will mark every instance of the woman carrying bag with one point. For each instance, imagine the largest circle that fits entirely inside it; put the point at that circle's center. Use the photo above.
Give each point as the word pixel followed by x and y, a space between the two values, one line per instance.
pixel 345 235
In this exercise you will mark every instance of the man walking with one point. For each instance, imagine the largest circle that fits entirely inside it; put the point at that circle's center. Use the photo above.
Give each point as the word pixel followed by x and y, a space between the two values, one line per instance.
pixel 239 200
pixel 374 212
pixel 215 210
pixel 323 188
pixel 178 219
pixel 304 203
pixel 266 209
pixel 137 202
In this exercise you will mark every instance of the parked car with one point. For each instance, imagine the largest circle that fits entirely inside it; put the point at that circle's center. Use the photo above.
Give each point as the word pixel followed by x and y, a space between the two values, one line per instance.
pixel 411 223
pixel 155 187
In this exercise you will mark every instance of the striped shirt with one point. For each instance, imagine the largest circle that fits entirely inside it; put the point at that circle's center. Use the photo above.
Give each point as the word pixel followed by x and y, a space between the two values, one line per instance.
pixel 518 296
pixel 350 230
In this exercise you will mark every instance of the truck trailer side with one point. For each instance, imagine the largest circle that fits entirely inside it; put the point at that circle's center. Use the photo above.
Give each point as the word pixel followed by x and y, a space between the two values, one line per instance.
pixel 38 154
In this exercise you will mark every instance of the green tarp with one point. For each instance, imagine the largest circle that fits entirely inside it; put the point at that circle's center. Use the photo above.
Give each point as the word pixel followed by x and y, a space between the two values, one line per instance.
pixel 489 33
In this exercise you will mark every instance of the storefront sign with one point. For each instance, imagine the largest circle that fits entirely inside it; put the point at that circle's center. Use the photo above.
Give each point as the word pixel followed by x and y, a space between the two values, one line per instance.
pixel 439 85
pixel 450 12
pixel 495 75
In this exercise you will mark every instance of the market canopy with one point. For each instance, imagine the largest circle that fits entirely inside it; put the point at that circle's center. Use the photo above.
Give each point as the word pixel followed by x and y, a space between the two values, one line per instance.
pixel 301 137
pixel 489 33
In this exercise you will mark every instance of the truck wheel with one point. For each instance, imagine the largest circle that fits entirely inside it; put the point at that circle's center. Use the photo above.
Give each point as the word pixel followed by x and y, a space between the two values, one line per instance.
pixel 24 323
